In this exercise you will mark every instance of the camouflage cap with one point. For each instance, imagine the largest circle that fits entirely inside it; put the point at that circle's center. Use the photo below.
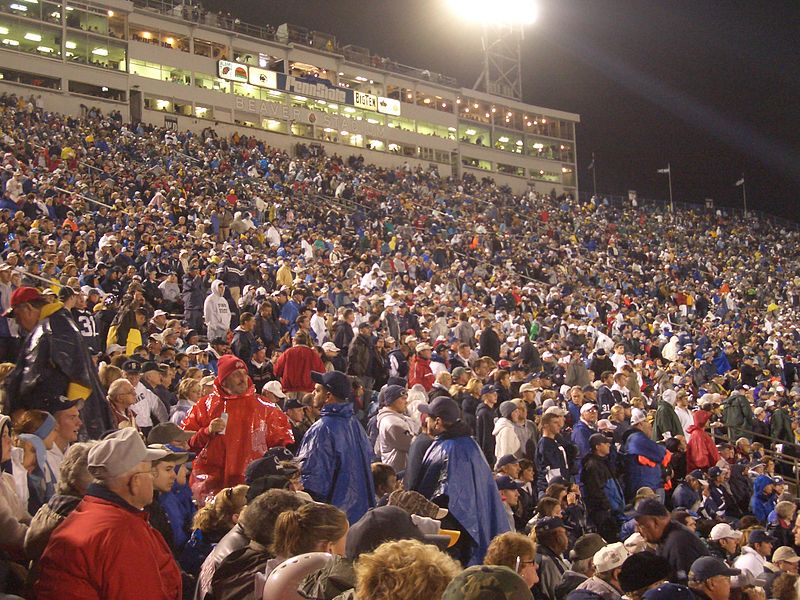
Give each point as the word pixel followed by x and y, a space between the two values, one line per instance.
pixel 487 582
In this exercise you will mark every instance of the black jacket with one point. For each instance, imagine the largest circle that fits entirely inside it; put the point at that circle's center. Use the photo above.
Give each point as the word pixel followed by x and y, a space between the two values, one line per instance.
pixel 53 356
pixel 490 344
pixel 681 548
pixel 484 424
pixel 594 476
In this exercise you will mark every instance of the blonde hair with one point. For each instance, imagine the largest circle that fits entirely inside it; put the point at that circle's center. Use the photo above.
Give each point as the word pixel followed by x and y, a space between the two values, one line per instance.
pixel 108 374
pixel 301 530
pixel 507 547
pixel 399 570
pixel 474 386
pixel 186 385
pixel 221 512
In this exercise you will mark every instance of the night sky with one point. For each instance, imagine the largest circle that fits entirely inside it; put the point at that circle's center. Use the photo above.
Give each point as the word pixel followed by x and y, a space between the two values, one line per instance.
pixel 711 87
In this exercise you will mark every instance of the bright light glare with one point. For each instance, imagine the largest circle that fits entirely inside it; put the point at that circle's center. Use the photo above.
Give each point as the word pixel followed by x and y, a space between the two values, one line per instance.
pixel 502 12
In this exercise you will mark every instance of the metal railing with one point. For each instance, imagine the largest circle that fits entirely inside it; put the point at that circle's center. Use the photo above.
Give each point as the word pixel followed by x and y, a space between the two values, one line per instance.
pixel 791 475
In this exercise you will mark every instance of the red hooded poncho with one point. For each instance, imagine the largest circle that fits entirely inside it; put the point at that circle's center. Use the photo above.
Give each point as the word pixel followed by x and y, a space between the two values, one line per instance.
pixel 254 426
pixel 701 453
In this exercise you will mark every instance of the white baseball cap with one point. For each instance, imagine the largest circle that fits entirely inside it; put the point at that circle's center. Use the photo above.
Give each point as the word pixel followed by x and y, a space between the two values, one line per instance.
pixel 722 531
pixel 275 388
pixel 587 407
pixel 609 558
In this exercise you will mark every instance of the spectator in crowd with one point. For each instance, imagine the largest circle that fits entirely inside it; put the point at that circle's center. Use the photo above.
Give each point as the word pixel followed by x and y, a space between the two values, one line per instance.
pixel 724 542
pixel 764 498
pixel 233 426
pixel 607 565
pixel 14 516
pixel 552 542
pixel 517 552
pixel 395 429
pixel 710 578
pixel 455 475
pixel 701 453
pixel 484 422
pixel 401 569
pixel 295 365
pixel 643 571
pixel 673 541
pixel 581 563
pixel 336 454
pixel 603 494
pixel 105 548
pixel 756 554
pixel 644 458
pixel 54 360
pixel 484 581
pixel 551 455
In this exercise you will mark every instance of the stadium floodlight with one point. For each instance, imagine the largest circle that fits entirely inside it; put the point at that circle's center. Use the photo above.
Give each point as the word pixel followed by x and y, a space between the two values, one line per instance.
pixel 499 12
pixel 503 23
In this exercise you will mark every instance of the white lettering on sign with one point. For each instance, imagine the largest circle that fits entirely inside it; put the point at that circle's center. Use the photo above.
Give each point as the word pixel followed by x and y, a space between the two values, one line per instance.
pixel 389 106
pixel 273 110
pixel 263 78
pixel 368 101
pixel 317 90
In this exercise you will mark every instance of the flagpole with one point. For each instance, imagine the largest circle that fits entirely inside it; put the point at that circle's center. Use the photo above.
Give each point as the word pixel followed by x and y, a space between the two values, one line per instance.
pixel 744 195
pixel 594 175
pixel 669 174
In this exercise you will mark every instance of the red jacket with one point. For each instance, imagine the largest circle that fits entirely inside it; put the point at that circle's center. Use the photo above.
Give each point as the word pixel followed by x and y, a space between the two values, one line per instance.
pixel 294 368
pixel 254 426
pixel 701 453
pixel 104 550
pixel 419 371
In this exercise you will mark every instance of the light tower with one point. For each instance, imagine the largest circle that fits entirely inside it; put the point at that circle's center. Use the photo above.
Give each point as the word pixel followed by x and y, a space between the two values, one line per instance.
pixel 503 23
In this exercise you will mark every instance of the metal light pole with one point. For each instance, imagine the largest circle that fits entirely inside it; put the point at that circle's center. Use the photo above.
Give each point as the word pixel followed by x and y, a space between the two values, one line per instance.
pixel 669 174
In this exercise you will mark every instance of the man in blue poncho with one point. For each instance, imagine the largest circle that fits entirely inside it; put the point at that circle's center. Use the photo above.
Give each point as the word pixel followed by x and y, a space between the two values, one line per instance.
pixel 643 457
pixel 764 498
pixel 456 476
pixel 336 453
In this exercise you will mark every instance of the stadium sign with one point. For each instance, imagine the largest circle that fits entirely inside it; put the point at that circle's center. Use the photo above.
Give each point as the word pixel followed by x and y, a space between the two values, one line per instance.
pixel 314 87
pixel 274 110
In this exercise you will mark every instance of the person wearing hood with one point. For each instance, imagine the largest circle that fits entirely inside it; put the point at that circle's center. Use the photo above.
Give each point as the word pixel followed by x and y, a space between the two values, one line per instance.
pixel 506 439
pixel 667 424
pixel 670 349
pixel 764 498
pixel 234 426
pixel 643 457
pixel 216 311
pixel 14 519
pixel 396 430
pixel 336 453
pixel 454 472
pixel 701 453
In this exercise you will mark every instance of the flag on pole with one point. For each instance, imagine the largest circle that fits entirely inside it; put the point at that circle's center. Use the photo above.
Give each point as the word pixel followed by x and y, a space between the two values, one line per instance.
pixel 665 171
pixel 740 182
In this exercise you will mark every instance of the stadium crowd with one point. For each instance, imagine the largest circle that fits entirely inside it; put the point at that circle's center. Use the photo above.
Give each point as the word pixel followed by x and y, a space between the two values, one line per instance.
pixel 231 372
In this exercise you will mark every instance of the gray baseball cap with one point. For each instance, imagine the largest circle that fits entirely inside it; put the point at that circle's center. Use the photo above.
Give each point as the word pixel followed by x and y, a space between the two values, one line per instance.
pixel 119 453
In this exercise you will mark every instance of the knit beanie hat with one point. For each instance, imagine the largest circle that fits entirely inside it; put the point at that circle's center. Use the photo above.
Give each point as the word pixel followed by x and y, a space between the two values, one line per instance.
pixel 228 363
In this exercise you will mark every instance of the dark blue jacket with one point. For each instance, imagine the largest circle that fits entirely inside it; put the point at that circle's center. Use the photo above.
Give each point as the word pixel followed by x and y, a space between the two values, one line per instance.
pixel 454 468
pixel 180 509
pixel 684 496
pixel 336 457
pixel 762 504
pixel 581 433
pixel 639 475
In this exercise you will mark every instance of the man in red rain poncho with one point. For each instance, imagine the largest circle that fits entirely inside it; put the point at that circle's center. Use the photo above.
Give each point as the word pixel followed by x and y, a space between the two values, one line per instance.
pixel 224 449
pixel 701 453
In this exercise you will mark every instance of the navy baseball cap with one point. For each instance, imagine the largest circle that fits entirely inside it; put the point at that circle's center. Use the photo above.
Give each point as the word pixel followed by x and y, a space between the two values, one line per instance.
pixel 696 474
pixel 706 567
pixel 336 382
pixel 393 393
pixel 549 524
pixel 488 389
pixel 759 536
pixel 504 482
pixel 442 407
pixel 669 591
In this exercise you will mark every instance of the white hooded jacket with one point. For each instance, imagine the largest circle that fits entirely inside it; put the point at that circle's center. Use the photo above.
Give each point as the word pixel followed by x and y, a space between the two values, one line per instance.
pixel 216 311
pixel 506 438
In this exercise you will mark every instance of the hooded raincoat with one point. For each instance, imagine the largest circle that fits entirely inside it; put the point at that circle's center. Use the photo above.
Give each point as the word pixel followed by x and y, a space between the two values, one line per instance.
pixel 254 426
pixel 701 453
pixel 336 458
pixel 761 504
pixel 454 472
